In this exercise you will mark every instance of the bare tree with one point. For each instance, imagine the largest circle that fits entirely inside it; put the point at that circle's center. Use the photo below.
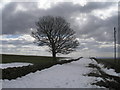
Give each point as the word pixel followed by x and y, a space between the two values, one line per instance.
pixel 56 33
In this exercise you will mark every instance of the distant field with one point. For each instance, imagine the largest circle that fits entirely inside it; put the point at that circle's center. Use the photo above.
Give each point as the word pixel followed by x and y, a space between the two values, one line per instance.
pixel 110 63
pixel 29 59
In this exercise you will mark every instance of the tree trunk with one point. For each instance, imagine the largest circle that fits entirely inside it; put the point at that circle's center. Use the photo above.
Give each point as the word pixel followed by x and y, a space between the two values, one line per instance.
pixel 54 54
pixel 53 51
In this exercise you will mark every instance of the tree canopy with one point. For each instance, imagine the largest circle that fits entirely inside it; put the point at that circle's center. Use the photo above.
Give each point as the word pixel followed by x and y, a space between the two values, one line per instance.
pixel 56 33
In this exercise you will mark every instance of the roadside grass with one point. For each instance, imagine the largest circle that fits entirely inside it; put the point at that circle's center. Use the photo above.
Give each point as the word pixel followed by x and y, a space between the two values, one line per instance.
pixel 110 63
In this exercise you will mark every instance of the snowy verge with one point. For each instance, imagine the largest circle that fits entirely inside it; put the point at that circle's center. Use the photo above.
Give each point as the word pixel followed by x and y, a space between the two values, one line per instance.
pixel 7 65
pixel 106 70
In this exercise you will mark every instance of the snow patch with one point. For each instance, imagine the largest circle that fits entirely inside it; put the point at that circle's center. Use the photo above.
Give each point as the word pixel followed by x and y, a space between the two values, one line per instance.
pixel 108 71
pixel 119 74
pixel 7 65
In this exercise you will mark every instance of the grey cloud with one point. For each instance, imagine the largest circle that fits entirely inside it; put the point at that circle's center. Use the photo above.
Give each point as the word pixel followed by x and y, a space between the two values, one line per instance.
pixel 96 28
pixel 16 22
pixel 21 22
pixel 16 42
pixel 97 47
pixel 70 8
pixel 97 5
pixel 20 45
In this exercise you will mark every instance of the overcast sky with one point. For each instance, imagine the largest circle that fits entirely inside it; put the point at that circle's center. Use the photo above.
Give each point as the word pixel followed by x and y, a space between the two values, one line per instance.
pixel 92 21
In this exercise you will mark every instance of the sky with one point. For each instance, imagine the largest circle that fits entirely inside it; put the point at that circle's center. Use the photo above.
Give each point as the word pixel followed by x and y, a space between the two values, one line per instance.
pixel 93 21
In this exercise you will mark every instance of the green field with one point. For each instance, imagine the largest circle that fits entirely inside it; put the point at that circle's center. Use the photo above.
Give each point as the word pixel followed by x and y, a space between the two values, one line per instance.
pixel 110 63
pixel 29 59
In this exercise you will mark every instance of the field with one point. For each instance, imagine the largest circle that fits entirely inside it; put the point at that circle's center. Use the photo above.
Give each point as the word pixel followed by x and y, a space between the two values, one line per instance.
pixel 69 73
pixel 110 63
pixel 29 59
pixel 39 63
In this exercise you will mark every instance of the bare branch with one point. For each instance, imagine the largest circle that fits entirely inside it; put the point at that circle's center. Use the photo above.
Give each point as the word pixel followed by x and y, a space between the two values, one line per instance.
pixel 56 33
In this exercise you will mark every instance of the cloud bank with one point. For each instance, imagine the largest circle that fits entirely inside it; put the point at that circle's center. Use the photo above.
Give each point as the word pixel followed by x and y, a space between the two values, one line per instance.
pixel 93 23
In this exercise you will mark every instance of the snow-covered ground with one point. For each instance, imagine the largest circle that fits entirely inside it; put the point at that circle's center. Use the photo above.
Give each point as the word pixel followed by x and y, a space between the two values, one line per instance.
pixel 69 75
pixel 106 70
pixel 7 65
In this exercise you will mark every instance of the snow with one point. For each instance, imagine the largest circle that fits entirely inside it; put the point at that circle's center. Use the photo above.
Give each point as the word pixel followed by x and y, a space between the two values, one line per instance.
pixel 7 65
pixel 69 75
pixel 119 74
pixel 108 71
